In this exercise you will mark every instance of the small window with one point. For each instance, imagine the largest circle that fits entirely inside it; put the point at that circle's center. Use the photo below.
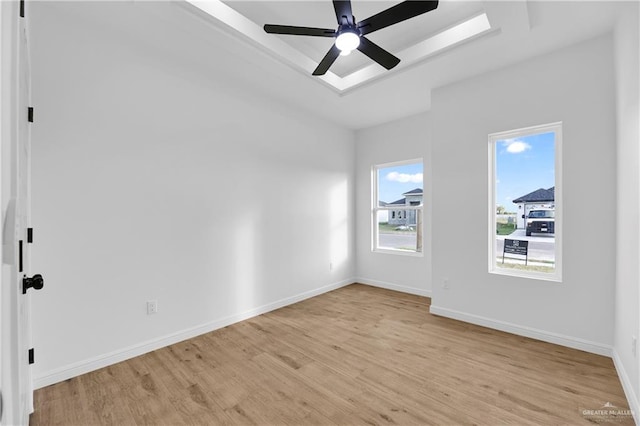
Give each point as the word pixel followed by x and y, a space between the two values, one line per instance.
pixel 397 207
pixel 525 202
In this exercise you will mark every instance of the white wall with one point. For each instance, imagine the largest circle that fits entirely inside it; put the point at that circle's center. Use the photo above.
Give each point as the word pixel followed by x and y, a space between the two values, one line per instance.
pixel 400 140
pixel 627 320
pixel 573 85
pixel 154 180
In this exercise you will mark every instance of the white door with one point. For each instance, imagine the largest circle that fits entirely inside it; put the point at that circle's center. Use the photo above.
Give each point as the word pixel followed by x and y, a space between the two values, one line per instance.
pixel 16 384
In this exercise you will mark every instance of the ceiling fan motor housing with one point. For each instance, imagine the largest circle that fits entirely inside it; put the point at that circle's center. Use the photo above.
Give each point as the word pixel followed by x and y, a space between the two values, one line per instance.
pixel 348 28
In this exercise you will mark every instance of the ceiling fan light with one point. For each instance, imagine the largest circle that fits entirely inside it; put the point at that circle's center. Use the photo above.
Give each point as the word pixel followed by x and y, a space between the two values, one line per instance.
pixel 345 52
pixel 347 41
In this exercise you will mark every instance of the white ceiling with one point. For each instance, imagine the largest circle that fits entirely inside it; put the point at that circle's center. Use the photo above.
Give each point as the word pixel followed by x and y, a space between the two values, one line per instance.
pixel 419 38
pixel 186 35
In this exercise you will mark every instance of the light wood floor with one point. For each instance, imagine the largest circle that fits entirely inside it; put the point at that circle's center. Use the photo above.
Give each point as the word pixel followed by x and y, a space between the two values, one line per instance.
pixel 357 355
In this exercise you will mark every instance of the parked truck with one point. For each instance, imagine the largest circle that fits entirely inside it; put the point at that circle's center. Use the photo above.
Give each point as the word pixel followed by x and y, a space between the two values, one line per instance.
pixel 541 221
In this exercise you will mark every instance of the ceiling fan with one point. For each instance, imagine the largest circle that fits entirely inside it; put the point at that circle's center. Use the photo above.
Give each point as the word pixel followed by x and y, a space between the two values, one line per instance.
pixel 350 34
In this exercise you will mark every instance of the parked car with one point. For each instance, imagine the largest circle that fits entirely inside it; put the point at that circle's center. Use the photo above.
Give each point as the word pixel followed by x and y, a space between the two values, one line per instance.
pixel 541 221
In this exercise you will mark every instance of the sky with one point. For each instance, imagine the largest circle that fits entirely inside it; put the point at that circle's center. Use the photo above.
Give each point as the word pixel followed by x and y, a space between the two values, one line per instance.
pixel 522 166
pixel 395 181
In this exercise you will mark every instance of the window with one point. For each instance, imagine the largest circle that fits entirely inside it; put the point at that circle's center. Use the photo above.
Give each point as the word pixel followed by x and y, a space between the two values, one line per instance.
pixel 397 207
pixel 525 202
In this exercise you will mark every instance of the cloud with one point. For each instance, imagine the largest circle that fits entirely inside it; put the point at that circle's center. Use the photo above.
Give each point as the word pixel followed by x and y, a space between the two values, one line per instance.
pixel 515 146
pixel 404 177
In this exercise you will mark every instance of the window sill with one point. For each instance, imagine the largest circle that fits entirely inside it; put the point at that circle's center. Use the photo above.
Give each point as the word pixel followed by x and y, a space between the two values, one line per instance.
pixel 398 252
pixel 555 277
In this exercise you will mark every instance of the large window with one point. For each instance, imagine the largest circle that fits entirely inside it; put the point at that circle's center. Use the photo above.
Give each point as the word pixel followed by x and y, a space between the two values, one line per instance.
pixel 397 207
pixel 525 202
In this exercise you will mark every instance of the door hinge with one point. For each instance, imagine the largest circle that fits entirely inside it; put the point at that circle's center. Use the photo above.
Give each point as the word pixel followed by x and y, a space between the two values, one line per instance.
pixel 22 8
pixel 20 256
pixel 30 114
pixel 30 235
pixel 31 356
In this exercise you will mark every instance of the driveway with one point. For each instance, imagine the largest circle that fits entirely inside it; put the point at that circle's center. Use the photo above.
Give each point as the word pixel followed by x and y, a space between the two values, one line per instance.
pixel 520 234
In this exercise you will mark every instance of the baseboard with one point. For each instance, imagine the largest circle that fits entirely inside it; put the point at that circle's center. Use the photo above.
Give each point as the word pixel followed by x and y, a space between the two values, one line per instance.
pixel 86 366
pixel 632 398
pixel 545 336
pixel 396 287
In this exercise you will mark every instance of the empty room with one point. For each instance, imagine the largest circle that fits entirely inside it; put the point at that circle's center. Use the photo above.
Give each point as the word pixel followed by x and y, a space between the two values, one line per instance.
pixel 320 212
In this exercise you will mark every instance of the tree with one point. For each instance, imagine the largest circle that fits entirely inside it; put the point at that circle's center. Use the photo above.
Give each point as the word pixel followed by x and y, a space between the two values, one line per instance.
pixel 500 209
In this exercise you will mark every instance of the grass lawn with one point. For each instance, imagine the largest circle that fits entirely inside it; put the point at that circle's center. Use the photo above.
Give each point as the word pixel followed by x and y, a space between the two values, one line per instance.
pixel 522 267
pixel 388 229
pixel 505 228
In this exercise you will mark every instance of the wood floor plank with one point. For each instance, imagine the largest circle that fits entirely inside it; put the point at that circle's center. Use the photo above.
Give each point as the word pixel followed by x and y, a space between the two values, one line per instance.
pixel 356 355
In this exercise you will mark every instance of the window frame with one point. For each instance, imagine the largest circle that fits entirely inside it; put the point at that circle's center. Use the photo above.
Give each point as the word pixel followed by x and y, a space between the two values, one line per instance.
pixel 375 208
pixel 493 139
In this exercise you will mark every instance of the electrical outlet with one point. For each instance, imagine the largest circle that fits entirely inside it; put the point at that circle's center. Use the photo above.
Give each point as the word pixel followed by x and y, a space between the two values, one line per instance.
pixel 634 345
pixel 445 283
pixel 152 307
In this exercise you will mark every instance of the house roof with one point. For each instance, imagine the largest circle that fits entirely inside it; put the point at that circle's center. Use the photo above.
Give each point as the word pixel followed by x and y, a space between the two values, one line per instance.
pixel 539 195
pixel 414 192
pixel 401 201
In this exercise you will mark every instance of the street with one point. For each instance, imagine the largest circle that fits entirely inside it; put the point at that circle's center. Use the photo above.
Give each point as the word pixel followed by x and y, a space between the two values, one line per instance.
pixel 541 246
pixel 537 250
pixel 396 241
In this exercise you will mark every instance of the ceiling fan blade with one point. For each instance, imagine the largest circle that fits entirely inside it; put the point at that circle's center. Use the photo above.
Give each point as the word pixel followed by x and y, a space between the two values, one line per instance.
pixel 398 13
pixel 377 53
pixel 287 29
pixel 327 61
pixel 343 11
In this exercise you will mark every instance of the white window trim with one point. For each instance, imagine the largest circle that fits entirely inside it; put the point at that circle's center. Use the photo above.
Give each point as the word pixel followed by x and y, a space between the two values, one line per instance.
pixel 375 208
pixel 493 139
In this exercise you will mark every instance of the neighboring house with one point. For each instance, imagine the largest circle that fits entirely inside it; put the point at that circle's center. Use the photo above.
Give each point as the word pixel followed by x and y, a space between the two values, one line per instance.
pixel 540 198
pixel 402 216
pixel 383 215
